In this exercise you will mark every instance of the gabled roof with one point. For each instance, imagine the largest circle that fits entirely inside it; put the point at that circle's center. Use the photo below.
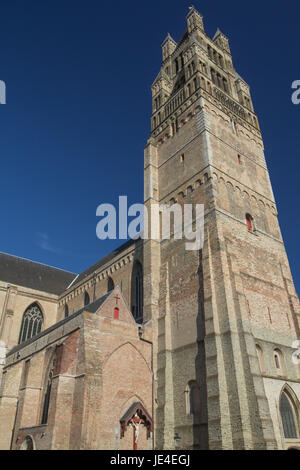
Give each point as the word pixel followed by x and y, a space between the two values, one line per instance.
pixel 136 408
pixel 26 273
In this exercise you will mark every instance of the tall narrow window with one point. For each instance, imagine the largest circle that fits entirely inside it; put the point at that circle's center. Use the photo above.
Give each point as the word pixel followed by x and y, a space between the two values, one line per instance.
pixel 137 292
pixel 192 398
pixel 110 284
pixel 213 75
pixel 86 299
pixel 260 356
pixel 47 398
pixel 279 362
pixel 249 221
pixel 32 323
pixel 66 311
pixel 225 85
pixel 289 417
pixel 173 128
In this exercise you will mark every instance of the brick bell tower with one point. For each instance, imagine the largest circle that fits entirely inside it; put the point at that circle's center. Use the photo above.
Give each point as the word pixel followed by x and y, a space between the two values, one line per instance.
pixel 219 314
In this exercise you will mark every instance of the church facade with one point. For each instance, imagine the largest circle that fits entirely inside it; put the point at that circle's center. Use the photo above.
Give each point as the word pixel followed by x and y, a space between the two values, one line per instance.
pixel 155 346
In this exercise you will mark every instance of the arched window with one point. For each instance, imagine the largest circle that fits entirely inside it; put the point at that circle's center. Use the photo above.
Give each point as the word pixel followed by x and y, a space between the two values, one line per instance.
pixel 261 359
pixel 192 398
pixel 225 85
pixel 279 362
pixel 137 292
pixel 110 284
pixel 86 298
pixel 250 223
pixel 47 394
pixel 32 323
pixel 66 311
pixel 289 416
pixel 116 313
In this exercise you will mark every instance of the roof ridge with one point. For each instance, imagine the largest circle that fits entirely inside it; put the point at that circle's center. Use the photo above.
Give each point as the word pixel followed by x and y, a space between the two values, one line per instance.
pixel 37 262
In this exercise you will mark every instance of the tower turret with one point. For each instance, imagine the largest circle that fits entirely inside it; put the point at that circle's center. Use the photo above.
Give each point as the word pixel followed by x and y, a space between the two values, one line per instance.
pixel 194 20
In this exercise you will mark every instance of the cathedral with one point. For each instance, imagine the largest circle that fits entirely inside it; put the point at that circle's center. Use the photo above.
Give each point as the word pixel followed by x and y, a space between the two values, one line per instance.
pixel 157 347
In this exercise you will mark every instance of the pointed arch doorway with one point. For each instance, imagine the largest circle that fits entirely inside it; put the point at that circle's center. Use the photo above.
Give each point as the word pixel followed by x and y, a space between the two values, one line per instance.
pixel 135 420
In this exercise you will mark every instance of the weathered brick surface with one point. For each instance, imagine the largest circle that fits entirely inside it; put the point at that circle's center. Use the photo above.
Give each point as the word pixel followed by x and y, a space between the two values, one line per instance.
pixel 100 369
pixel 215 316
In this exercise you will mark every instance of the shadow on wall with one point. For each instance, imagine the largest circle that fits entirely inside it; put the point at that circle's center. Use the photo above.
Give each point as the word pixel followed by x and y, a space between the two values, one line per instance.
pixel 200 417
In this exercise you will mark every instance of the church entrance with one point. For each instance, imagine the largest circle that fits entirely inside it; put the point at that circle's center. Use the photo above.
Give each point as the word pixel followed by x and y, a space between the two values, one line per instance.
pixel 138 423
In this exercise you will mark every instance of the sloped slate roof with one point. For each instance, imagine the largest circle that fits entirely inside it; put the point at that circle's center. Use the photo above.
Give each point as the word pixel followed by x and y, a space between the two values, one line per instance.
pixel 93 307
pixel 104 260
pixel 26 273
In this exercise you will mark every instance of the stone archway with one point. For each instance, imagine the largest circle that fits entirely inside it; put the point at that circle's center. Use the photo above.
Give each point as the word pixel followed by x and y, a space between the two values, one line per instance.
pixel 136 417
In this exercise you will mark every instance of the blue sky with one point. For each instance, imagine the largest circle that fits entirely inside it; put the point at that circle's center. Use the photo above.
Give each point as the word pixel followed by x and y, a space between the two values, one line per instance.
pixel 72 133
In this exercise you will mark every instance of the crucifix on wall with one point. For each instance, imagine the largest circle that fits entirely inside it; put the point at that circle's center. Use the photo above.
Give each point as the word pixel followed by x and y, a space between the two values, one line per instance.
pixel 135 417
pixel 135 423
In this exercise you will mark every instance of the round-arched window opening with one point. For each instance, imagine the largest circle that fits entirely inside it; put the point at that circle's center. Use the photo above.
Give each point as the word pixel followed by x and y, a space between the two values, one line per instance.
pixel 116 313
pixel 250 222
pixel 27 444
